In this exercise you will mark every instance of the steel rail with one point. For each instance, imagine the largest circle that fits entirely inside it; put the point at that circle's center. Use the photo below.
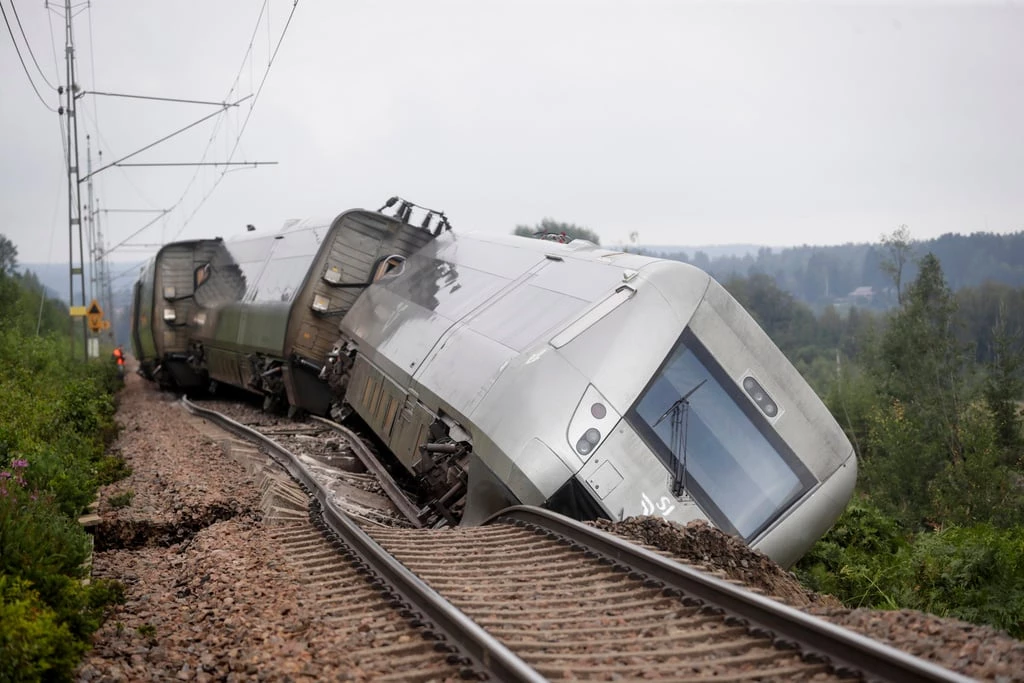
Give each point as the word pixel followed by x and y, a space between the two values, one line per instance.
pixel 847 652
pixel 394 492
pixel 485 655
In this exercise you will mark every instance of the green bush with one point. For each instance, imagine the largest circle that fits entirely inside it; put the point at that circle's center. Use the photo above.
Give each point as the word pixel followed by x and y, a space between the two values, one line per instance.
pixel 34 643
pixel 111 468
pixel 972 573
pixel 855 560
pixel 121 500
pixel 56 419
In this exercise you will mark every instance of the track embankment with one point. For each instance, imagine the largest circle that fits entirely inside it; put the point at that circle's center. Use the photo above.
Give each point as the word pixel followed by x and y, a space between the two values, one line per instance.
pixel 227 579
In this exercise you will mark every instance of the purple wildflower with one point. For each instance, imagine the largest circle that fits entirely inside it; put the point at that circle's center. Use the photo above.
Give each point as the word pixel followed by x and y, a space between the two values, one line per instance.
pixel 4 474
pixel 19 463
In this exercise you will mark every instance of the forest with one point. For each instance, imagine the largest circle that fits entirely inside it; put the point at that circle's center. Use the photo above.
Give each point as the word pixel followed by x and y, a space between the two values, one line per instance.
pixel 928 393
pixel 823 275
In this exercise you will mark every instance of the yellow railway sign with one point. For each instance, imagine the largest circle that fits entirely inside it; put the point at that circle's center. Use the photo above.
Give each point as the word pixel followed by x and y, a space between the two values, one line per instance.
pixel 95 315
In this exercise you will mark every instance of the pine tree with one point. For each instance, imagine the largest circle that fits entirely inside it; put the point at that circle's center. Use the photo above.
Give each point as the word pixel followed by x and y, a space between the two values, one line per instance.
pixel 1003 387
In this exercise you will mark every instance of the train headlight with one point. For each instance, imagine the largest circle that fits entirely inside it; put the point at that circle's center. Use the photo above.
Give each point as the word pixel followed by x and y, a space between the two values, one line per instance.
pixel 588 441
pixel 169 292
pixel 200 318
pixel 761 398
pixel 591 421
pixel 169 315
pixel 332 275
pixel 321 303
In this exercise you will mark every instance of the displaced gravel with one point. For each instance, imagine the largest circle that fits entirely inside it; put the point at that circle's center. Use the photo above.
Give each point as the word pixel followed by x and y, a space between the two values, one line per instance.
pixel 977 651
pixel 210 597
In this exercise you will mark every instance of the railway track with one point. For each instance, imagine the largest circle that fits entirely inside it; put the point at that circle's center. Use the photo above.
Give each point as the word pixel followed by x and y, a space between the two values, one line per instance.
pixel 534 596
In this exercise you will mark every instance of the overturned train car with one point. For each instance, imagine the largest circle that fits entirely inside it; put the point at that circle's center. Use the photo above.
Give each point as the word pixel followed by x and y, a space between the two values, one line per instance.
pixel 504 370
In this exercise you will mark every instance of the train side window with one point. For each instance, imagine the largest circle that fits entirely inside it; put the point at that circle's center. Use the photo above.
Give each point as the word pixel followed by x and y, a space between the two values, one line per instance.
pixel 391 266
pixel 201 275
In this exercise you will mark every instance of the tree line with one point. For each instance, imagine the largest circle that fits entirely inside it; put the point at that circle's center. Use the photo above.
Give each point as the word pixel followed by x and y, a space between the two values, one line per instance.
pixel 928 394
pixel 820 275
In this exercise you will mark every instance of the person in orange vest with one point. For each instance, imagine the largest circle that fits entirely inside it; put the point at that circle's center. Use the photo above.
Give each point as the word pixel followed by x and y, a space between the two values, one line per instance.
pixel 119 359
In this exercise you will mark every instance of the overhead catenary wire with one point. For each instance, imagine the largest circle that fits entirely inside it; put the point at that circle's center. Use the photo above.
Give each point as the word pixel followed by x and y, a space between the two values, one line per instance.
pixel 209 142
pixel 29 46
pixel 245 123
pixel 163 139
pixel 53 221
pixel 21 59
pixel 125 174
pixel 237 140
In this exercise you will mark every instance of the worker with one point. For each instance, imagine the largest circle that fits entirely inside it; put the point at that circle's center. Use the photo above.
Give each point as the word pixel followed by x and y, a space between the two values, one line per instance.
pixel 119 359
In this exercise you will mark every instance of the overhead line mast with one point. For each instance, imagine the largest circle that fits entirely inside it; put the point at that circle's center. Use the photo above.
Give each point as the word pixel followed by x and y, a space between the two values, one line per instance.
pixel 74 189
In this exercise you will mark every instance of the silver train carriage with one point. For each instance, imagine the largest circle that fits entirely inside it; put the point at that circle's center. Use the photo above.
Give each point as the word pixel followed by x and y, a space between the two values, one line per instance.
pixel 505 370
pixel 269 303
pixel 162 306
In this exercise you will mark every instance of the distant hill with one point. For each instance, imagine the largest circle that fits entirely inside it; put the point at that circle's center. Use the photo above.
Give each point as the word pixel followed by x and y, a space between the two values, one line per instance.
pixel 851 273
pixel 54 276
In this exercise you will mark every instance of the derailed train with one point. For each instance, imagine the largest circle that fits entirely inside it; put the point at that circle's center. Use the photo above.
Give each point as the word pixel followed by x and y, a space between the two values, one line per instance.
pixel 505 370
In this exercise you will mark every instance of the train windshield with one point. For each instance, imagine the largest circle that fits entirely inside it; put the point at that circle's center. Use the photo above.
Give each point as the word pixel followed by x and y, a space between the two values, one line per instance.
pixel 736 467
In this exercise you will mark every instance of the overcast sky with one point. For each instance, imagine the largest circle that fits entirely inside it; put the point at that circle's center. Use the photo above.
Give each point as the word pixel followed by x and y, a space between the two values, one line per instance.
pixel 689 123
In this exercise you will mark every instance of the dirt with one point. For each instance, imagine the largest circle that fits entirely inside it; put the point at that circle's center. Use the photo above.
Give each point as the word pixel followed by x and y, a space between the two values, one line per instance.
pixel 701 545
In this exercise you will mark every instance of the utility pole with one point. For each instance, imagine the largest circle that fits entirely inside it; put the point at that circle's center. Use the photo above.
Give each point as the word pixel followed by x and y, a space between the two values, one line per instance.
pixel 74 194
pixel 106 294
pixel 99 274
pixel 90 216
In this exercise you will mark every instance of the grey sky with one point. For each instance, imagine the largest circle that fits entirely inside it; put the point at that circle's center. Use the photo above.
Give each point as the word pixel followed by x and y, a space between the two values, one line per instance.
pixel 690 123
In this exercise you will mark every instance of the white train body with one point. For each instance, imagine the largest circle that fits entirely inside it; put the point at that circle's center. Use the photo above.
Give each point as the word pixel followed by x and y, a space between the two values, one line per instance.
pixel 557 362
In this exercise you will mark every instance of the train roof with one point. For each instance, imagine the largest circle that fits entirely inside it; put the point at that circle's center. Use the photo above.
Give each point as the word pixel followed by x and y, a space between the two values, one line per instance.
pixel 577 249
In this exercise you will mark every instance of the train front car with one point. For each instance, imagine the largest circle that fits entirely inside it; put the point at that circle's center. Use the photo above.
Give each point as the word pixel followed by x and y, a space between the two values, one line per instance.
pixel 599 384
pixel 706 416
pixel 162 307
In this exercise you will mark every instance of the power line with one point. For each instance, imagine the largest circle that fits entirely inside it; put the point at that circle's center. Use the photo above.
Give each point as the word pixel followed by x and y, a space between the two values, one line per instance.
pixel 245 123
pixel 29 46
pixel 22 60
pixel 158 99
pixel 216 128
pixel 163 139
pixel 127 177
pixel 206 150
